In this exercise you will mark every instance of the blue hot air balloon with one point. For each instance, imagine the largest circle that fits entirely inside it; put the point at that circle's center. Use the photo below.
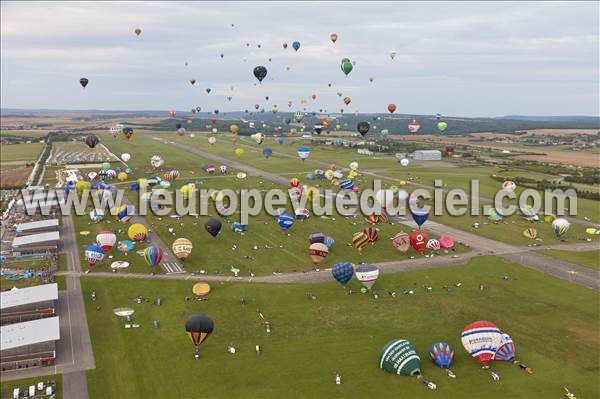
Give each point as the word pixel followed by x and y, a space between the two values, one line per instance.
pixel 506 351
pixel 303 152
pixel 267 152
pixel 329 242
pixel 281 140
pixel 296 45
pixel 70 186
pixel 238 227
pixel 420 216
pixel 285 221
pixel 346 184
pixel 93 254
pixel 134 187
pixel 442 355
pixel 343 272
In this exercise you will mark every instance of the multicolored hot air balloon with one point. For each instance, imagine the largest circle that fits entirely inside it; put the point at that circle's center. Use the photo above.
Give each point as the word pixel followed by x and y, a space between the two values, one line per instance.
pixel 560 227
pixel 343 272
pixel 367 274
pixel 106 240
pixel 199 327
pixel 303 152
pixel 413 127
pixel 360 240
pixel 433 244
pixel 285 221
pixel 125 213
pixel 182 248
pixel 442 355
pixel 153 255
pixel 401 242
pixel 92 140
pixel 93 254
pixel 318 252
pixel 481 339
pixel 372 234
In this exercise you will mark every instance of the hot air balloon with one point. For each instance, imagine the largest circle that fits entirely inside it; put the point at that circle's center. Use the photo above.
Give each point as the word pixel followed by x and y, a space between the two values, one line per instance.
pixel 258 137
pixel 363 127
pixel 400 357
pixel 106 240
pixel 83 82
pixel 442 355
pixel 333 37
pixel 285 221
pixel 96 215
pixel 442 126
pixel 294 182
pixel 153 255
pixel 372 234
pixel 360 240
pixel 318 252
pixel 182 247
pixel 137 31
pixel 481 339
pixel 343 272
pixel 433 244
pixel 234 129
pixel 367 274
pixel 530 233
pixel 125 213
pixel 296 45
pixel 316 238
pixel 92 140
pixel 420 215
pixel 401 242
pixel 137 232
pixel 285 45
pixel 391 108
pixel 560 227
pixel 413 127
pixel 298 116
pixel 280 140
pixel 509 185
pixel 506 352
pixel 392 54
pixel 213 226
pixel 446 242
pixel 346 66
pixel 125 157
pixel 347 100
pixel 303 152
pixel 199 327
pixel 260 72
pixel 239 152
pixel 127 132
pixel 93 254
pixel 418 240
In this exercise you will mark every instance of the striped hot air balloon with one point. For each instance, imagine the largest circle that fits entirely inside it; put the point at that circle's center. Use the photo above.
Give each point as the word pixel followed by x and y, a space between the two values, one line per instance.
pixel 302 213
pixel 316 237
pixel 372 233
pixel 530 233
pixel 171 175
pixel 182 247
pixel 506 351
pixel 93 254
pixel 346 184
pixel 481 339
pixel 318 252
pixel 372 219
pixel 294 182
pixel 360 240
pixel 433 244
pixel 153 255
pixel 400 357
pixel 106 240
pixel 125 213
pixel 285 221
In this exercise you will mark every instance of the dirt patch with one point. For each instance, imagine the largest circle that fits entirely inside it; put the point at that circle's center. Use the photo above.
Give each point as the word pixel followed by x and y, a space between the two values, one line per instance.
pixel 15 176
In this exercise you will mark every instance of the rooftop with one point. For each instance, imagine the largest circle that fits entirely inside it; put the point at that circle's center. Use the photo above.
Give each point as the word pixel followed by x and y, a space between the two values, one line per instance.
pixel 29 333
pixel 41 224
pixel 28 295
pixel 41 238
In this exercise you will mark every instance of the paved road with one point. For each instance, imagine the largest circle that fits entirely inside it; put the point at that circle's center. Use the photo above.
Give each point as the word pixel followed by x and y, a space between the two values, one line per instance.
pixel 558 268
pixel 169 263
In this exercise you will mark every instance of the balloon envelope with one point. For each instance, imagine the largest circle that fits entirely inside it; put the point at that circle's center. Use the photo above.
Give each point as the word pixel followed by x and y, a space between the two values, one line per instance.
pixel 199 327
pixel 481 339
pixel 343 272
pixel 441 354
pixel 400 357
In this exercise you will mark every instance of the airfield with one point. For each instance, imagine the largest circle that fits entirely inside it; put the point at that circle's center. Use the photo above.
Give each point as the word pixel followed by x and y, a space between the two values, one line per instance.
pixel 540 290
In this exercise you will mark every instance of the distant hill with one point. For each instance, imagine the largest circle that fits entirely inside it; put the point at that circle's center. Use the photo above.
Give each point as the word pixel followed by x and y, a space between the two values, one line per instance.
pixel 268 122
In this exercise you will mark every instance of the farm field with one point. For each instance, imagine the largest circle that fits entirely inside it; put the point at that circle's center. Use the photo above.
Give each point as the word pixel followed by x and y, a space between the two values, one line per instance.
pixel 15 154
pixel 356 325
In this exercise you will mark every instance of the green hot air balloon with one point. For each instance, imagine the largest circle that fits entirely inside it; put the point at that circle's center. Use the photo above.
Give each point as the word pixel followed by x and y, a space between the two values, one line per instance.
pixel 399 356
pixel 442 126
pixel 346 66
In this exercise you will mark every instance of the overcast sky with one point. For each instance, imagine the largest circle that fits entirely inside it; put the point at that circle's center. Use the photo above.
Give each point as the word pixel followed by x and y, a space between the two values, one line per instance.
pixel 462 58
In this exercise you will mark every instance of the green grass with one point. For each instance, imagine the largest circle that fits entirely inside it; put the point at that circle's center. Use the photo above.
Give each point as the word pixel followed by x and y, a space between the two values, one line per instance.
pixel 6 391
pixel 554 328
pixel 589 259
pixel 20 152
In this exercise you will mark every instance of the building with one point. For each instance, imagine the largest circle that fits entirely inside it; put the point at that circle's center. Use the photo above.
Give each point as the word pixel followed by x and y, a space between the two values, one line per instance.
pixel 427 155
pixel 40 242
pixel 29 344
pixel 36 227
pixel 29 303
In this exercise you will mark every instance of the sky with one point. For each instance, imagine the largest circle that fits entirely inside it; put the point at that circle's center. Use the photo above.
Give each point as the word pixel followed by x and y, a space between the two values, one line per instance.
pixel 454 58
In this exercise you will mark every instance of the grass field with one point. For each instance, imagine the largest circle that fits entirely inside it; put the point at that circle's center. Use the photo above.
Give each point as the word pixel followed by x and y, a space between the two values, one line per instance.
pixel 589 259
pixel 6 391
pixel 20 152
pixel 345 333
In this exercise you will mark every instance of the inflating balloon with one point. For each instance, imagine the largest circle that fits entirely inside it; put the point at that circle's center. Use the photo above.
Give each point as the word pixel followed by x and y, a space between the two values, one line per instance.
pixel 153 255
pixel 213 226
pixel 199 328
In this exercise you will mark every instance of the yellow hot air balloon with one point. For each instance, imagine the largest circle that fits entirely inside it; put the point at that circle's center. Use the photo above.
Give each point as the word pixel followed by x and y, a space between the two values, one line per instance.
pixel 241 175
pixel 354 165
pixel 402 183
pixel 182 247
pixel 329 174
pixel 201 289
pixel 530 233
pixel 360 240
pixel 239 152
pixel 187 189
pixel 137 232
pixel 352 174
pixel 549 218
pixel 122 176
pixel 234 128
pixel 82 185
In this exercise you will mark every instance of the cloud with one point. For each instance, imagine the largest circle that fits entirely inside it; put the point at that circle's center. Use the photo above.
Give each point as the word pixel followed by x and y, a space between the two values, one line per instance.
pixel 450 55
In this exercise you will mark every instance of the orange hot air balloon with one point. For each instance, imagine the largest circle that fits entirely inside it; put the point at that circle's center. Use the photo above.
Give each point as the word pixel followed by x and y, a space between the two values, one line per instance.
pixel 347 100
pixel 293 131
pixel 173 113
pixel 392 108
pixel 333 37
pixel 294 182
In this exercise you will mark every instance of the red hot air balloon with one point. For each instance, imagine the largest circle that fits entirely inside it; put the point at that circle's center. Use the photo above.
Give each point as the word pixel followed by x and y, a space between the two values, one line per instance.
pixel 418 240
pixel 314 96
pixel 333 37
pixel 213 120
pixel 392 108
pixel 173 113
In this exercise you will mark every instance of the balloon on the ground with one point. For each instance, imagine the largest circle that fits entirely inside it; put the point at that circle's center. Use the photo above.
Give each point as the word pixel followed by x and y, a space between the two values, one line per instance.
pixel 481 339
pixel 433 244
pixel 303 152
pixel 93 254
pixel 441 354
pixel 343 272
pixel 360 240
pixel 106 240
pixel 418 240
pixel 401 242
pixel 318 252
pixel 560 226
pixel 137 232
pixel 182 248
pixel 400 357
pixel 213 226
pixel 285 221
pixel 201 289
pixel 153 255
pixel 367 274
pixel 199 327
